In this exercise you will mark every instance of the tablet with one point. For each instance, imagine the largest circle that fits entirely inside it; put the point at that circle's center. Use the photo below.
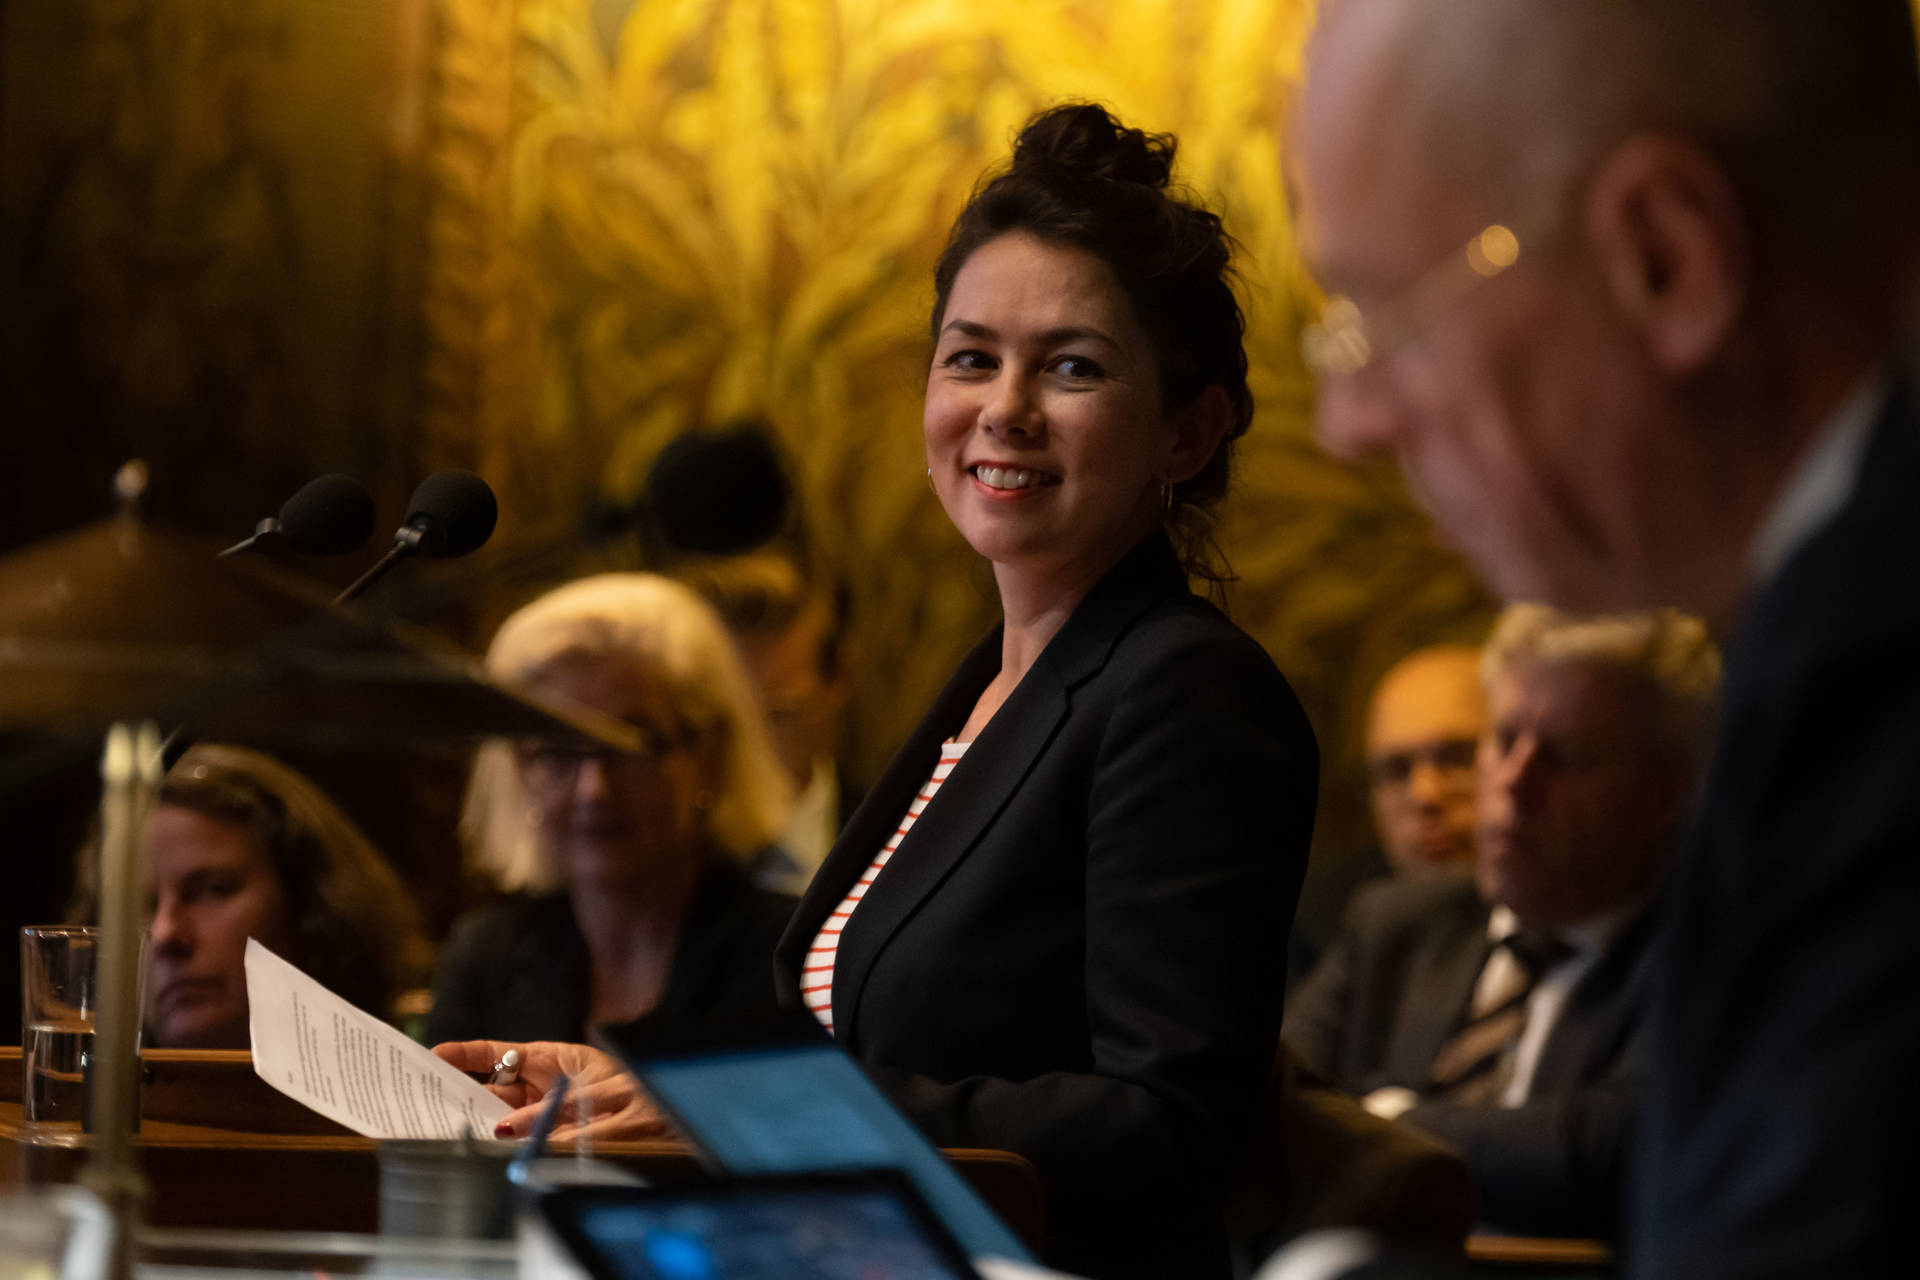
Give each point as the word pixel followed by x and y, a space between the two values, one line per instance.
pixel 841 1226
pixel 781 1097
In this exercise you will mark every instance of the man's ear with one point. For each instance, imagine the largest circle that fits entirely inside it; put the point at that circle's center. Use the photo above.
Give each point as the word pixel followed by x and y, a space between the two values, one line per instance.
pixel 1673 247
pixel 1198 430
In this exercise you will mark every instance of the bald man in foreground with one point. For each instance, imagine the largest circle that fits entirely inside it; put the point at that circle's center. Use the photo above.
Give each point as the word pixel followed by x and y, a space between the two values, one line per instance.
pixel 1627 287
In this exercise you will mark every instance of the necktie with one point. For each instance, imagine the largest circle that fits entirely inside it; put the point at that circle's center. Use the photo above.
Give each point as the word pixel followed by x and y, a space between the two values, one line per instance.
pixel 1474 1065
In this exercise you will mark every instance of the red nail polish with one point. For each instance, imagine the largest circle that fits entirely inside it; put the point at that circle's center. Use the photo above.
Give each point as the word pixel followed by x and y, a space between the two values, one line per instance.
pixel 503 1130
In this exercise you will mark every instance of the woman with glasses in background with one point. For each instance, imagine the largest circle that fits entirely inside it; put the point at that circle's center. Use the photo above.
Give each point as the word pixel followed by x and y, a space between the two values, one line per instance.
pixel 627 871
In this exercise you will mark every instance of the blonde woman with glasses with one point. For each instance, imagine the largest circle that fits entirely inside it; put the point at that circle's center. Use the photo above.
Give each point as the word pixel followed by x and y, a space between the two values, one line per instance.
pixel 628 871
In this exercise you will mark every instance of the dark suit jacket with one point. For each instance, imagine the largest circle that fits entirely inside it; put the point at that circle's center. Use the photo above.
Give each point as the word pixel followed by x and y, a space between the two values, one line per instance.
pixel 1397 984
pixel 1784 1116
pixel 519 970
pixel 1078 952
pixel 1324 895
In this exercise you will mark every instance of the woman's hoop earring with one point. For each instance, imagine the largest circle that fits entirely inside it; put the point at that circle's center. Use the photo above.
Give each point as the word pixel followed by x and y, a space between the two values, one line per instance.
pixel 1166 496
pixel 930 489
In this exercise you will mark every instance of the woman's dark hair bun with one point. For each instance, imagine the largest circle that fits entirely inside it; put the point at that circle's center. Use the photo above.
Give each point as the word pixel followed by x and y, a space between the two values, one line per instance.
pixel 1081 140
pixel 1082 179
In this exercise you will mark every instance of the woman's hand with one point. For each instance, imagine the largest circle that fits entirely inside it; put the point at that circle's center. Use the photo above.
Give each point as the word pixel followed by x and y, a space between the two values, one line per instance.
pixel 619 1109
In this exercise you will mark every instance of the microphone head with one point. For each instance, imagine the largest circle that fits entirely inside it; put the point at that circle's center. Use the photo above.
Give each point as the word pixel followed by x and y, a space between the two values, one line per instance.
pixel 330 516
pixel 454 511
pixel 719 492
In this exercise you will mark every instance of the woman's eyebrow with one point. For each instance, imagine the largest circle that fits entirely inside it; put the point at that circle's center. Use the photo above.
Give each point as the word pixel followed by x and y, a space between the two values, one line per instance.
pixel 1077 333
pixel 970 329
pixel 1050 337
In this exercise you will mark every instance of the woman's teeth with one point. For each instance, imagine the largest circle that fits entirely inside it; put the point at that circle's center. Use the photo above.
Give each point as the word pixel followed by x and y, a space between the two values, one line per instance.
pixel 1008 477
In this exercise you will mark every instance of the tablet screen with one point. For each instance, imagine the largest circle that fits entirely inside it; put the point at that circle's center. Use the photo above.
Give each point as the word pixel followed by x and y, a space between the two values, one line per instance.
pixel 803 1108
pixel 749 1231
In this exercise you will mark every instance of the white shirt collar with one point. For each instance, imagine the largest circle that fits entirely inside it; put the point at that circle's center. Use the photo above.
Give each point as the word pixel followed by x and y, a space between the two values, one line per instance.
pixel 1820 482
pixel 1589 937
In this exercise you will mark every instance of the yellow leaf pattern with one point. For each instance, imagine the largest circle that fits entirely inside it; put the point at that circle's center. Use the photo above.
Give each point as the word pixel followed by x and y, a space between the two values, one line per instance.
pixel 730 207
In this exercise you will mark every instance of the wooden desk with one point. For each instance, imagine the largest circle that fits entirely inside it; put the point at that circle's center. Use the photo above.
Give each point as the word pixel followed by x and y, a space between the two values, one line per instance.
pixel 222 1148
pixel 1515 1255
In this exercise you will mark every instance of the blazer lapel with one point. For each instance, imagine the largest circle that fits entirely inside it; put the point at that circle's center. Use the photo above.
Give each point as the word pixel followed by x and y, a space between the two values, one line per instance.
pixel 880 811
pixel 1601 1008
pixel 972 797
pixel 1443 988
pixel 990 775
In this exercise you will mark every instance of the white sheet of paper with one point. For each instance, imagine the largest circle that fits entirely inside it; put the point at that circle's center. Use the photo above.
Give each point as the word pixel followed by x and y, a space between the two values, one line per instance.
pixel 351 1067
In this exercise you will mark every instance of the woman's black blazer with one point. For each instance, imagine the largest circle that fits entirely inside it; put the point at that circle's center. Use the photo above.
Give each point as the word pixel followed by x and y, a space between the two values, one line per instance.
pixel 1078 953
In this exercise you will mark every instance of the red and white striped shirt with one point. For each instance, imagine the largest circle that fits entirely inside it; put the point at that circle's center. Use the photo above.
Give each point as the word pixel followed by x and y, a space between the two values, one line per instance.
pixel 816 973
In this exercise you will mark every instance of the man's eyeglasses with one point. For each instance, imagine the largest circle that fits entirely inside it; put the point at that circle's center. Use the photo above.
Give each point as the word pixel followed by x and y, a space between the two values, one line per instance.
pixel 1345 341
pixel 550 767
pixel 1451 758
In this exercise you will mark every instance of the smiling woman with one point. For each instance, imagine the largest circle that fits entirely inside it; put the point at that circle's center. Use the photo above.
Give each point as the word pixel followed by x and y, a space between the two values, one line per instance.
pixel 1057 925
pixel 1044 427
pixel 1075 272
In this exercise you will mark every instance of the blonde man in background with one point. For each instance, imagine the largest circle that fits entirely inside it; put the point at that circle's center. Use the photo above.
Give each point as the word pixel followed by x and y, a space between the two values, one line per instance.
pixel 1502 1011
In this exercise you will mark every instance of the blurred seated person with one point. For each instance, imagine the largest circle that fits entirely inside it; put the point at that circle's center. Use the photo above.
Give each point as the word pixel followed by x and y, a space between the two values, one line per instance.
pixel 628 875
pixel 1503 1012
pixel 239 846
pixel 1423 728
pixel 792 633
pixel 1322 1161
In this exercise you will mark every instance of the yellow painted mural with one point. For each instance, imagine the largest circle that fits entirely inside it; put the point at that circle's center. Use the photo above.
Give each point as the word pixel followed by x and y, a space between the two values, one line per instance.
pixel 251 240
pixel 704 209
pixel 254 240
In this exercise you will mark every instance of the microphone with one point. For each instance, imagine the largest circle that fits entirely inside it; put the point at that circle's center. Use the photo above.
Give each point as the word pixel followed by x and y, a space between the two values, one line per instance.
pixel 713 492
pixel 451 514
pixel 331 515
pixel 718 493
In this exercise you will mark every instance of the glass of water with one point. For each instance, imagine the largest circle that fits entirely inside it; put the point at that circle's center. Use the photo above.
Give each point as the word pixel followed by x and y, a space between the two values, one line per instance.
pixel 58 997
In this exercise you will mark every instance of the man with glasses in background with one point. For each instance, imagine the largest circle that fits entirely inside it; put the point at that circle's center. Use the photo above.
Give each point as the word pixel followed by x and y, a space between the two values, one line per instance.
pixel 1423 724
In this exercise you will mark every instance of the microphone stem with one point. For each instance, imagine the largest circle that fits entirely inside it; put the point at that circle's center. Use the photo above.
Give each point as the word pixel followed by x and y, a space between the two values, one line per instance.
pixel 405 543
pixel 265 529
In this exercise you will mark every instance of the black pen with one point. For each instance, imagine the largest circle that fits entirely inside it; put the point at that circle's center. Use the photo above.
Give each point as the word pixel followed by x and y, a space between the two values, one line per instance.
pixel 536 1143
